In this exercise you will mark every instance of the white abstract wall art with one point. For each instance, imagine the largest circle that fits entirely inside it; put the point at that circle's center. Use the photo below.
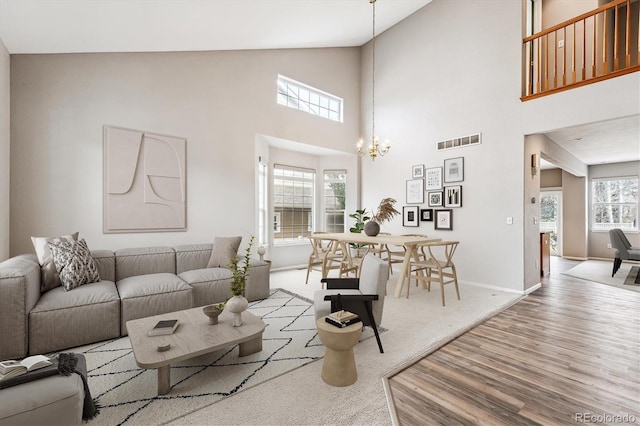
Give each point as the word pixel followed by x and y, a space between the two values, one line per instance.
pixel 145 178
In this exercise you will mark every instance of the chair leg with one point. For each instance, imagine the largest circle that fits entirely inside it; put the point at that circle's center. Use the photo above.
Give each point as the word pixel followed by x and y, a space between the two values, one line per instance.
pixel 441 285
pixel 308 270
pixel 455 280
pixel 616 265
pixel 374 326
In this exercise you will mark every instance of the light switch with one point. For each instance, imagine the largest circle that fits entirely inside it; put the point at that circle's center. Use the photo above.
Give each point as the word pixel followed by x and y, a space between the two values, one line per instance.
pixel 509 220
pixel 535 220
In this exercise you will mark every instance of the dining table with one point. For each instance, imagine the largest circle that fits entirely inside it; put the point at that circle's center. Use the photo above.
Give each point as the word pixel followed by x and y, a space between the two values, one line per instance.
pixel 409 242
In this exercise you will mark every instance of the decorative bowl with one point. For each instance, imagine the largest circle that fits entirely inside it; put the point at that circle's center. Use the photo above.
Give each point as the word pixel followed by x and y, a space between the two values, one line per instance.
pixel 212 311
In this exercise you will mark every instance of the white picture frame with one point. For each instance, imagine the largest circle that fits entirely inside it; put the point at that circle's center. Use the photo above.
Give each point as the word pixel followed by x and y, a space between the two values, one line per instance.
pixel 417 171
pixel 410 216
pixel 415 191
pixel 433 178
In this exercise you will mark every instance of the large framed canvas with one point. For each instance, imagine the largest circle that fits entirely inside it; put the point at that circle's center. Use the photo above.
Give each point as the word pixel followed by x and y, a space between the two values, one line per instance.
pixel 145 181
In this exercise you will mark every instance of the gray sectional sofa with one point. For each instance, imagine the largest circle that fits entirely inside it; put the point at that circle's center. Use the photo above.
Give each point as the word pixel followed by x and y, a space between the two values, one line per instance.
pixel 135 283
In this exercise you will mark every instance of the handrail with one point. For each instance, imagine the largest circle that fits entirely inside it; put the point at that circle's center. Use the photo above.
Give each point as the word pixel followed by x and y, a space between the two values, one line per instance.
pixel 591 47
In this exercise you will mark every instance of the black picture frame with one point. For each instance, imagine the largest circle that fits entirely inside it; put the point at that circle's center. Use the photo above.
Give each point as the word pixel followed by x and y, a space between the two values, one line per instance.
pixel 434 198
pixel 452 196
pixel 443 220
pixel 454 170
pixel 426 215
pixel 410 216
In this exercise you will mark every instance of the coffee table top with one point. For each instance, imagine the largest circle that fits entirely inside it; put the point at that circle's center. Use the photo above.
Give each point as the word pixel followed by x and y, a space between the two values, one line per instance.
pixel 193 337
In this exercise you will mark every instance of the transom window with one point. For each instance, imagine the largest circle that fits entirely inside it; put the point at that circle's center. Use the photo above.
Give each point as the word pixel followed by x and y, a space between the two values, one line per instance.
pixel 293 201
pixel 300 96
pixel 615 203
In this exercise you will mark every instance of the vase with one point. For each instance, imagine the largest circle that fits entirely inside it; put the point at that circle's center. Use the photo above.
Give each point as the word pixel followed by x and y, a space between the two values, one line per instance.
pixel 371 228
pixel 213 313
pixel 236 305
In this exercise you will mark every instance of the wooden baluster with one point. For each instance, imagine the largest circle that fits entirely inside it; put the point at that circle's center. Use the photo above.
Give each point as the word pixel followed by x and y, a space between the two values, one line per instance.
pixel 564 56
pixel 539 68
pixel 615 39
pixel 594 67
pixel 573 66
pixel 584 49
pixel 555 59
pixel 546 65
pixel 605 64
pixel 628 41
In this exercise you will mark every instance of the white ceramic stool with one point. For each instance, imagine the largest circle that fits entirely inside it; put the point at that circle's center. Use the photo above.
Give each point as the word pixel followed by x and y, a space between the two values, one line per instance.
pixel 339 365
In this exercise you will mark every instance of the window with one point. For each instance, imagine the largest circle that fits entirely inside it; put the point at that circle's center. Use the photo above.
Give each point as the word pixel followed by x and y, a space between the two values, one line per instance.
pixel 298 95
pixel 335 182
pixel 293 201
pixel 263 197
pixel 615 203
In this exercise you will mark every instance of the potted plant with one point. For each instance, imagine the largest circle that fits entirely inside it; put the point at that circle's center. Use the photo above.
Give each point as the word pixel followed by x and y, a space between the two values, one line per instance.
pixel 238 303
pixel 385 212
pixel 361 216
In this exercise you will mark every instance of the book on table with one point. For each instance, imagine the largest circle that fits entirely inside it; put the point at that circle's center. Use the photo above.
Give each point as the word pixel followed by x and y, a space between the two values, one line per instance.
pixel 164 327
pixel 12 368
pixel 342 318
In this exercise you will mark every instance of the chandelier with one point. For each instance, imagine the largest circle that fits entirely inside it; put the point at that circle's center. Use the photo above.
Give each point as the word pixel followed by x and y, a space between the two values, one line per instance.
pixel 374 149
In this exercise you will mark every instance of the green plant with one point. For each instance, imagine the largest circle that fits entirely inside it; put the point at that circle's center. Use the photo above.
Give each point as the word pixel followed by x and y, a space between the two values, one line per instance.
pixel 361 216
pixel 240 274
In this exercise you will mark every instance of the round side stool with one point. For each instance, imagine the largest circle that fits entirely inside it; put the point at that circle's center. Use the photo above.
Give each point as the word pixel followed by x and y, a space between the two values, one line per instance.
pixel 339 366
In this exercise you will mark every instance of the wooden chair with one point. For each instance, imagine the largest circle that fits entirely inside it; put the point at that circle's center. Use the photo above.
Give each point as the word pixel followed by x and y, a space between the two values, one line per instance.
pixel 433 268
pixel 382 251
pixel 396 254
pixel 352 261
pixel 324 257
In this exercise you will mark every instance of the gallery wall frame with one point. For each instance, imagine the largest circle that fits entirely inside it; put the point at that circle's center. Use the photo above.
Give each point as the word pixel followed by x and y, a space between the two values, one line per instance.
pixel 454 170
pixel 434 199
pixel 453 196
pixel 433 178
pixel 410 216
pixel 417 171
pixel 443 219
pixel 426 215
pixel 415 191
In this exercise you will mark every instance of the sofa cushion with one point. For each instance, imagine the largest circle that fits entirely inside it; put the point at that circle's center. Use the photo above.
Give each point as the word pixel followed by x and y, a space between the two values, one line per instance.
pixel 210 285
pixel 224 250
pixel 49 275
pixel 64 319
pixel 144 260
pixel 153 294
pixel 74 263
pixel 192 256
pixel 106 261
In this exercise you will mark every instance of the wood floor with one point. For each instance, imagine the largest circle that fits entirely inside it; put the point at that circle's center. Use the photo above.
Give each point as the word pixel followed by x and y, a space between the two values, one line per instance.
pixel 568 353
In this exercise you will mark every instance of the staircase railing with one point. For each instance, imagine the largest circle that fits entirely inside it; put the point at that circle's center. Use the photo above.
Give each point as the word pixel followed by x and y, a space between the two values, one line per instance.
pixel 598 45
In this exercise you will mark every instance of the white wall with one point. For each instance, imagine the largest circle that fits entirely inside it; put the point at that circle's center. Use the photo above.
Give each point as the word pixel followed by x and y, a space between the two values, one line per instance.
pixel 218 101
pixel 452 69
pixel 5 65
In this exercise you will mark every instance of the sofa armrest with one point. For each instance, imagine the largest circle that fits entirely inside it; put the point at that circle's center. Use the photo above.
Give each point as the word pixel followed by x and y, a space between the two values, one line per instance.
pixel 257 287
pixel 19 293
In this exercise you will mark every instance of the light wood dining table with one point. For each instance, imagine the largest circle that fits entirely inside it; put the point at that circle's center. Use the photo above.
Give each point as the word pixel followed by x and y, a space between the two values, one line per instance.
pixel 409 242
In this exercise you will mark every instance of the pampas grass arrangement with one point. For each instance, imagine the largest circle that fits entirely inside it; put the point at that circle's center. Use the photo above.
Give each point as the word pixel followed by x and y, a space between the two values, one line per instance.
pixel 386 211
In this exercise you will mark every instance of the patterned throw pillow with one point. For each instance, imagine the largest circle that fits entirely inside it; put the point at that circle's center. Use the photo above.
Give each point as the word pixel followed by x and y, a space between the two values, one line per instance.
pixel 74 263
pixel 48 274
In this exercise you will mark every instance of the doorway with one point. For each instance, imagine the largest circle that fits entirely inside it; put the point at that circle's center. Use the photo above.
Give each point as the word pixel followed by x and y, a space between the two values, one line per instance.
pixel 551 218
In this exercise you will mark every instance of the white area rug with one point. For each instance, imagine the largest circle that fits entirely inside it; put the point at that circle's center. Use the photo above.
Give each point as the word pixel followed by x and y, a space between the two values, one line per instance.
pixel 300 397
pixel 599 271
pixel 128 394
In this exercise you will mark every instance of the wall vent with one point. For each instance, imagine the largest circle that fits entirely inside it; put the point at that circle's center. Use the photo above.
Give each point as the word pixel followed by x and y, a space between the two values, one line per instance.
pixel 460 142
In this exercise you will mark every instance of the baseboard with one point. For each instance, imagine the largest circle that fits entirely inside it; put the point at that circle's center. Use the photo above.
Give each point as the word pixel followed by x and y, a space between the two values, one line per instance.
pixel 492 287
pixel 576 258
pixel 532 289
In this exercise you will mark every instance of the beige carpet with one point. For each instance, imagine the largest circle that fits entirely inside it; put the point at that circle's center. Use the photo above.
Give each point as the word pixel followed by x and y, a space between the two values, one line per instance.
pixel 300 397
pixel 599 271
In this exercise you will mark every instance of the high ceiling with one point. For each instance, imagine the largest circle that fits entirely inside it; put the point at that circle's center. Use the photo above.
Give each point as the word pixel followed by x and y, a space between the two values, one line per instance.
pixel 77 26
pixel 74 26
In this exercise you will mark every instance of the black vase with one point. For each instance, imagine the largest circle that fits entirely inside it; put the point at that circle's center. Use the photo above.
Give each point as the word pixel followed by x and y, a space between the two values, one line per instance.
pixel 371 228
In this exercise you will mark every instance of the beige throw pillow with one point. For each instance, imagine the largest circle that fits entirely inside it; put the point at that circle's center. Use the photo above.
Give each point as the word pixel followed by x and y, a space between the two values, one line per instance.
pixel 49 277
pixel 224 249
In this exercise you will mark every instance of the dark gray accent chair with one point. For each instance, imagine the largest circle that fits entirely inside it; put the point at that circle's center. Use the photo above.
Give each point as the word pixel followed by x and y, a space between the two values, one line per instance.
pixel 623 248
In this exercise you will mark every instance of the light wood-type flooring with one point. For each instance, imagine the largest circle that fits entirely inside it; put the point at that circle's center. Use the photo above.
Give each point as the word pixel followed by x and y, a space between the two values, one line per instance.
pixel 568 353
